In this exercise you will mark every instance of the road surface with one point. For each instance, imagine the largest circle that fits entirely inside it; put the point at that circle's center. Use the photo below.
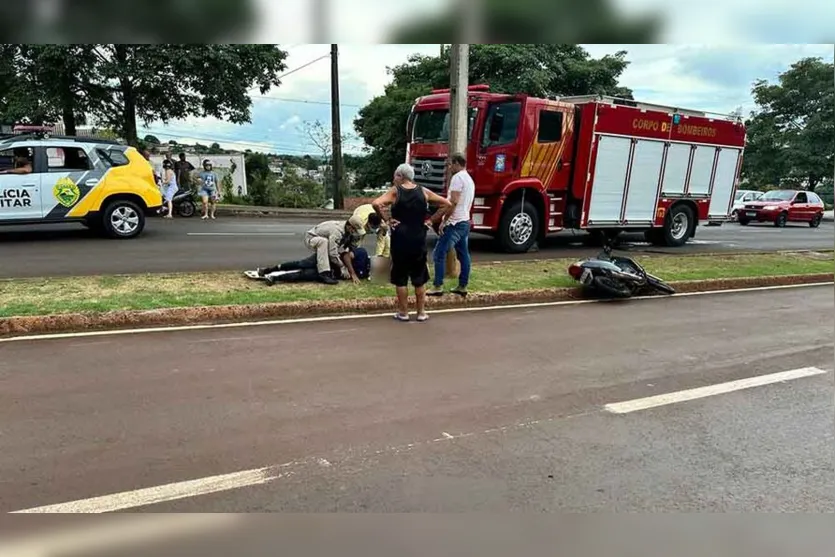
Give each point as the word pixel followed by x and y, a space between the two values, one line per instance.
pixel 488 410
pixel 239 243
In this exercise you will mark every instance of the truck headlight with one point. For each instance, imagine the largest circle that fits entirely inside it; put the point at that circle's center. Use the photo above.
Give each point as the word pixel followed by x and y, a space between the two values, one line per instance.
pixel 771 207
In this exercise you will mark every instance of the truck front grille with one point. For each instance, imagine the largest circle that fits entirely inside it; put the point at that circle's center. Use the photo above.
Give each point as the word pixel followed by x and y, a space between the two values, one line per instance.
pixel 429 173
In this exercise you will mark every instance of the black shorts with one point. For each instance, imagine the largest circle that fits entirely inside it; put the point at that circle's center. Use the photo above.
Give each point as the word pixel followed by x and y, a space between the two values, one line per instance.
pixel 407 267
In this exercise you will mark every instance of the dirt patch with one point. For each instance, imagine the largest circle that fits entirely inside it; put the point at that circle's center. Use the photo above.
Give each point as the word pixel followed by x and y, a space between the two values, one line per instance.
pixel 253 312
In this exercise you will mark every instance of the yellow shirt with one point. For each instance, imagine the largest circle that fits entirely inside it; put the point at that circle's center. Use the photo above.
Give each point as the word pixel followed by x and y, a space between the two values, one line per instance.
pixel 383 242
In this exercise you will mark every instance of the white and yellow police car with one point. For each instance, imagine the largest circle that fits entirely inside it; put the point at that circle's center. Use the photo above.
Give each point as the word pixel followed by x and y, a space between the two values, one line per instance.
pixel 102 184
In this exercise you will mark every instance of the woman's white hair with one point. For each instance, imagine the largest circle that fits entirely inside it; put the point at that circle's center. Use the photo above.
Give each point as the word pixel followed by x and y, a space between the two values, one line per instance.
pixel 406 171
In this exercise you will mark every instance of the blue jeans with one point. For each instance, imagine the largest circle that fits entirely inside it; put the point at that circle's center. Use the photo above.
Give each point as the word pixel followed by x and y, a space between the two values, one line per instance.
pixel 454 236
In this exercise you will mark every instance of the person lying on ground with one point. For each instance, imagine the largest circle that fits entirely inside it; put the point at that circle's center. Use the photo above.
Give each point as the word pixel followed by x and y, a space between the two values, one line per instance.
pixel 306 270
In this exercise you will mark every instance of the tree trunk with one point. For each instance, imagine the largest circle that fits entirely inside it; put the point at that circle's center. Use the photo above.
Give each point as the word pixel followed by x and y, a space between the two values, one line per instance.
pixel 128 98
pixel 68 115
pixel 67 104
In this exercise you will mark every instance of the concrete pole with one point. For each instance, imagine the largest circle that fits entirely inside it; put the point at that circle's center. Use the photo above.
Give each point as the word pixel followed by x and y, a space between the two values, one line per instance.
pixel 459 82
pixel 458 86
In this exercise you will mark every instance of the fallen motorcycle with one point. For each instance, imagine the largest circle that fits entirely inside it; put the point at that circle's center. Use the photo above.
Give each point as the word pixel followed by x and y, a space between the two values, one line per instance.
pixel 615 276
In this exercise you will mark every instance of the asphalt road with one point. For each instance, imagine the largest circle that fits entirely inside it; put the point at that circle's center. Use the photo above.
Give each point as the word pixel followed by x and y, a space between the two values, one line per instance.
pixel 473 411
pixel 184 245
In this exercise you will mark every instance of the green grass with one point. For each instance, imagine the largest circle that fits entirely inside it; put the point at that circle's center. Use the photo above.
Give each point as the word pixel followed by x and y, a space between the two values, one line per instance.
pixel 45 296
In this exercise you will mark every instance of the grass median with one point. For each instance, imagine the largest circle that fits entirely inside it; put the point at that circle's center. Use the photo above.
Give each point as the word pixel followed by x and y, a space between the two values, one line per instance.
pixel 45 296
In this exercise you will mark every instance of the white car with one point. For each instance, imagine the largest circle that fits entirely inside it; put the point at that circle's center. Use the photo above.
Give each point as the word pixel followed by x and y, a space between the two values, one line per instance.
pixel 741 198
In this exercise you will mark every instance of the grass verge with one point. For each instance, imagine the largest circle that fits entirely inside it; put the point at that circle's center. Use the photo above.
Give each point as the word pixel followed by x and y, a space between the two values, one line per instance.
pixel 51 296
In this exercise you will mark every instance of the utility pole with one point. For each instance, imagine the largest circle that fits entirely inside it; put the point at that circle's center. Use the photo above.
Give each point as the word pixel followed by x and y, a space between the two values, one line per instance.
pixel 458 86
pixel 336 131
pixel 459 71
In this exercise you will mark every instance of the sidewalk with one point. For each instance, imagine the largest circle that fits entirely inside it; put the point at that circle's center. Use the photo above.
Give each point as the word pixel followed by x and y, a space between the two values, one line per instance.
pixel 280 212
pixel 829 215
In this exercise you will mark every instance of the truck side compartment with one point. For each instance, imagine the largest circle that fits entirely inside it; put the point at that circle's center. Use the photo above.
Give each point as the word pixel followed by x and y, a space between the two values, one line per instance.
pixel 654 169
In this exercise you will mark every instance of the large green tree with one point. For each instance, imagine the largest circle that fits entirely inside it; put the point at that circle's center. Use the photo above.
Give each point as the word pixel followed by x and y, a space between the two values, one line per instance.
pixel 166 82
pixel 119 84
pixel 535 69
pixel 791 135
pixel 53 82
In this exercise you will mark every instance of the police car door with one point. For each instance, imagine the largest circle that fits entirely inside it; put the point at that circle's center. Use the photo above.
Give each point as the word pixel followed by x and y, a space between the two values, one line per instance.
pixel 68 178
pixel 20 197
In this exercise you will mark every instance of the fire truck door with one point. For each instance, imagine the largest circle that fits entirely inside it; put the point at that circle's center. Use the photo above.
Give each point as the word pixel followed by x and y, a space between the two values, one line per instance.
pixel 547 157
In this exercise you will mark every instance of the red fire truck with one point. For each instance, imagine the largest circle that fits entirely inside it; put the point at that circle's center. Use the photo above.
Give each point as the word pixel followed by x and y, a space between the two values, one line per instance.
pixel 594 163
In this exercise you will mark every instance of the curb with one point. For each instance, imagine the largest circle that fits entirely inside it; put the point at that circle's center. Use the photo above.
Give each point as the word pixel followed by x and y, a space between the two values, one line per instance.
pixel 73 322
pixel 275 212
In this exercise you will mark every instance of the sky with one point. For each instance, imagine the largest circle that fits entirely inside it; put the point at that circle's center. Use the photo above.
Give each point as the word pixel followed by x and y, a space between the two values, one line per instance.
pixel 714 78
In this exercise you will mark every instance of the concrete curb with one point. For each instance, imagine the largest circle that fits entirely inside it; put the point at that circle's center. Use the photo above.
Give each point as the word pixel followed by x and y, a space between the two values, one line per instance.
pixel 19 326
pixel 281 212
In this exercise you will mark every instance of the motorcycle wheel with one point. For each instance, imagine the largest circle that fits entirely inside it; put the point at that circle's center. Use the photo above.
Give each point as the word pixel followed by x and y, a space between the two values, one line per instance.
pixel 187 208
pixel 660 285
pixel 612 287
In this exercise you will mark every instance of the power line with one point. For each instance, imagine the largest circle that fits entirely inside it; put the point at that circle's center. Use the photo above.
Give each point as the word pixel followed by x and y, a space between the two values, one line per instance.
pixel 257 145
pixel 308 102
pixel 294 70
pixel 303 66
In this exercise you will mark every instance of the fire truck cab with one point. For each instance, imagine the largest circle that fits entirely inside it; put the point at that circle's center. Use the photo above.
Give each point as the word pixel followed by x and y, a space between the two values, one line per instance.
pixel 592 163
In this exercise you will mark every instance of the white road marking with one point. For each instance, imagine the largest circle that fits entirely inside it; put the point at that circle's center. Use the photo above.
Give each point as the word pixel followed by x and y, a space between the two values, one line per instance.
pixel 240 234
pixel 387 314
pixel 163 493
pixel 710 390
pixel 118 531
pixel 266 475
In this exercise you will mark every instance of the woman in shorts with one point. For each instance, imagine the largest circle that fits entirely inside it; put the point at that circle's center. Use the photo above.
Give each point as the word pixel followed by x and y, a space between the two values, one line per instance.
pixel 409 206
pixel 208 189
pixel 169 186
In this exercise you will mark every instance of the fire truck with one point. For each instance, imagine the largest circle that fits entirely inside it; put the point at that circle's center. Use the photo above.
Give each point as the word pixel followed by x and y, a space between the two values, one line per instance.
pixel 601 164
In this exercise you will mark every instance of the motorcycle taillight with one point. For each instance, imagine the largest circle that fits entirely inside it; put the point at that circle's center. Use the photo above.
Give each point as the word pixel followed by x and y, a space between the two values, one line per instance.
pixel 575 271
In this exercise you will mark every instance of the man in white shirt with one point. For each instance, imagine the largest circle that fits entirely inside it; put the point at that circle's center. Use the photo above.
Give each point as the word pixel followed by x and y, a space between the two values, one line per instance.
pixel 455 230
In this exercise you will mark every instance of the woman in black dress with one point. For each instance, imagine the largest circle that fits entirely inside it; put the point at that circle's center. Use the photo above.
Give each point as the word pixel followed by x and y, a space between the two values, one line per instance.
pixel 409 204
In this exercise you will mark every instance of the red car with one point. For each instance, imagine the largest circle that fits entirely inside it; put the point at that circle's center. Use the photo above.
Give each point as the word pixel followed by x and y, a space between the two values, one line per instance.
pixel 782 206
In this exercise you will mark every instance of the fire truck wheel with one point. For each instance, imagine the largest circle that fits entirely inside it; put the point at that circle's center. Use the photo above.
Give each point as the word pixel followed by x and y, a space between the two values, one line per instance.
pixel 679 226
pixel 519 228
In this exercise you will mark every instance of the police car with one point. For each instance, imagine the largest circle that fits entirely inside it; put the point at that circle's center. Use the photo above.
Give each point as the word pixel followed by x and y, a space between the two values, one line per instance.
pixel 102 184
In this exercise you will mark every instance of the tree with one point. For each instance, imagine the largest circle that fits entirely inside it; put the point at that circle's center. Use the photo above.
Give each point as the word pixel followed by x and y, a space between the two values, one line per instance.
pixel 543 21
pixel 259 178
pixel 791 136
pixel 215 149
pixel 45 83
pixel 536 69
pixel 161 82
pixel 322 138
pixel 298 192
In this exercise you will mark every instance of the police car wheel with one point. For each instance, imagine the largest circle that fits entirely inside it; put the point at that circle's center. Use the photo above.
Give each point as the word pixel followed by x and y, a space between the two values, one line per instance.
pixel 123 219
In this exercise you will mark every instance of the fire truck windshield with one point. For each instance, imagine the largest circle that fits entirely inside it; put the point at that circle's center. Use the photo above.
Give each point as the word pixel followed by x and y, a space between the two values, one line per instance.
pixel 432 126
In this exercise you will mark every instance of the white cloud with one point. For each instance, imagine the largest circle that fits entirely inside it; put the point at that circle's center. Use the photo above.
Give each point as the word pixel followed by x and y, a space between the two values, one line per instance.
pixel 291 122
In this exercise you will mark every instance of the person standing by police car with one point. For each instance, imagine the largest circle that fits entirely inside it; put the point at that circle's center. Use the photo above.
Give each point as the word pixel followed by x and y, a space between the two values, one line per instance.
pixel 169 187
